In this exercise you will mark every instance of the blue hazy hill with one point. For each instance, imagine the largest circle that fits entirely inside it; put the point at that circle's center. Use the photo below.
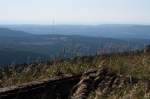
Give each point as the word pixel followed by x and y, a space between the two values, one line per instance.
pixel 112 31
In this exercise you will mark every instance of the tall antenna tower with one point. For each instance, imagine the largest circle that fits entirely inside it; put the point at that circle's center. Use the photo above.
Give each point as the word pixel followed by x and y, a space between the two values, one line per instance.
pixel 53 26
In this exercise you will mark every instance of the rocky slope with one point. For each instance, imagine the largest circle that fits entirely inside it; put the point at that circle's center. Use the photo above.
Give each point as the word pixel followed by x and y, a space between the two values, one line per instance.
pixel 102 82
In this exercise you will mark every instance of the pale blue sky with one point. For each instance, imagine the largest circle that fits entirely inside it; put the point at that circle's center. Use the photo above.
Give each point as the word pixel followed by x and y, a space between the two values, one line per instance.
pixel 74 11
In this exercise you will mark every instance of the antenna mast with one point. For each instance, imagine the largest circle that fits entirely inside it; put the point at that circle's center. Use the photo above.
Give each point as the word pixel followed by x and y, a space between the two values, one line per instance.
pixel 53 26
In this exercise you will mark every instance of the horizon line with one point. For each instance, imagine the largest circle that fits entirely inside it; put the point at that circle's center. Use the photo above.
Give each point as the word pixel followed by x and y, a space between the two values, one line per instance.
pixel 79 24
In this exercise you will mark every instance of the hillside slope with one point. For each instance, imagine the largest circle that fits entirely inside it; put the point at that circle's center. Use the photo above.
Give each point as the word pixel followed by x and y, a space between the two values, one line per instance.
pixel 126 74
pixel 93 84
pixel 125 63
pixel 58 46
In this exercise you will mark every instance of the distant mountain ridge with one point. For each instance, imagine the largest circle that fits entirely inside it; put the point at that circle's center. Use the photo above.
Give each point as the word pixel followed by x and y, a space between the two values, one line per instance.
pixel 108 30
pixel 5 32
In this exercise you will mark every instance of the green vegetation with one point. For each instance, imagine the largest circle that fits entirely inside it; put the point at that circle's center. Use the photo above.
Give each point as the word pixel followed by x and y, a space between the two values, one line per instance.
pixel 137 91
pixel 135 64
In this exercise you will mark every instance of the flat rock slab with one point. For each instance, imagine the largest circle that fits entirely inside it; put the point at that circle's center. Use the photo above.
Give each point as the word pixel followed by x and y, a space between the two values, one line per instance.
pixel 47 89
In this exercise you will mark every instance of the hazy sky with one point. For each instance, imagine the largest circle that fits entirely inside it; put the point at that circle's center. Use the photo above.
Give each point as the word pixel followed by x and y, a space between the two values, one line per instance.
pixel 74 11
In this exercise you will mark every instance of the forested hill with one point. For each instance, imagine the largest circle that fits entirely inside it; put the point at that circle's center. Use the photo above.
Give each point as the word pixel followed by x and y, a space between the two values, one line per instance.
pixel 18 46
